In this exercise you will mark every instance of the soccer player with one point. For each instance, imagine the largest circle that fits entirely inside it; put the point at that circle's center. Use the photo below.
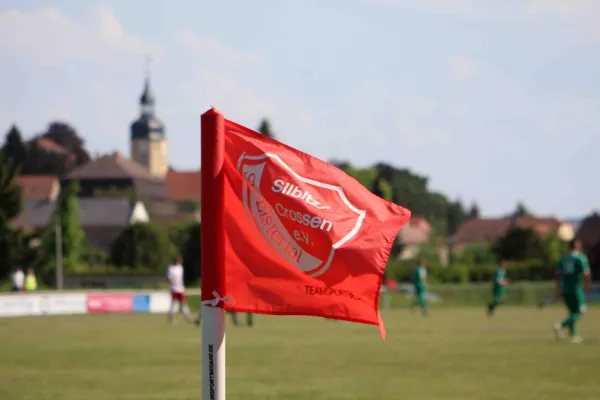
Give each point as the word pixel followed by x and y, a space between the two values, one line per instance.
pixel 572 269
pixel 18 280
pixel 249 319
pixel 420 285
pixel 175 277
pixel 499 283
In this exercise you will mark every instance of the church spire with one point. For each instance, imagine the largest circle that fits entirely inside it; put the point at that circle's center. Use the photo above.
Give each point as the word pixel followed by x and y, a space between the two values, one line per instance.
pixel 147 98
pixel 147 126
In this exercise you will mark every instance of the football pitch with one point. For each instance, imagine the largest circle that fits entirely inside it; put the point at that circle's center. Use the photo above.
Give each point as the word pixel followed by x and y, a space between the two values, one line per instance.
pixel 455 353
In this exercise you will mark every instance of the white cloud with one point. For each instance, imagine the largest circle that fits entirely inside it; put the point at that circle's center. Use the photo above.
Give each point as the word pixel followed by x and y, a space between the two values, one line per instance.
pixel 225 94
pixel 429 6
pixel 563 8
pixel 463 68
pixel 56 113
pixel 240 103
pixel 487 9
pixel 457 110
pixel 416 105
pixel 113 112
pixel 50 36
pixel 223 77
pixel 209 48
pixel 584 108
pixel 416 136
pixel 582 14
pixel 549 123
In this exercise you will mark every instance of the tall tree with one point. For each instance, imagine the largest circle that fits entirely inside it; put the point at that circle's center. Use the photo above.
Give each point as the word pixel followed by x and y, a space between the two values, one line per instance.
pixel 14 149
pixel 520 244
pixel 67 137
pixel 455 217
pixel 265 128
pixel 383 189
pixel 191 254
pixel 40 161
pixel 10 208
pixel 66 214
pixel 142 246
pixel 521 210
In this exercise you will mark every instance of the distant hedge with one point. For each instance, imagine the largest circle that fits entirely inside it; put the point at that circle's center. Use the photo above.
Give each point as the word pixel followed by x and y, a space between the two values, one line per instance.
pixel 531 270
pixel 107 269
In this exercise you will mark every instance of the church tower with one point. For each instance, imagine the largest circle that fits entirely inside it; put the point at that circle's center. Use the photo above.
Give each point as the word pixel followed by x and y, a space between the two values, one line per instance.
pixel 148 141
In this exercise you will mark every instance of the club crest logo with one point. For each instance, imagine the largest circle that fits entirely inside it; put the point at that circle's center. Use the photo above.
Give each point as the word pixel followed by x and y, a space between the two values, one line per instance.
pixel 303 220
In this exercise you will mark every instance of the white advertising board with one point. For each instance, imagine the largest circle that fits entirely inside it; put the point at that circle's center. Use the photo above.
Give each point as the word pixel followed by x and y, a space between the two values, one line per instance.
pixel 19 304
pixel 63 304
pixel 160 303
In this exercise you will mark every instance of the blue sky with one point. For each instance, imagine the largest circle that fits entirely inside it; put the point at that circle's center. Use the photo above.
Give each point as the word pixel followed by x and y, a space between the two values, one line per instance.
pixel 497 102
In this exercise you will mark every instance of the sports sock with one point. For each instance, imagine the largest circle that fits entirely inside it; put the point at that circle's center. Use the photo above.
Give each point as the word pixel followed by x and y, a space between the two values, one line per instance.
pixel 186 312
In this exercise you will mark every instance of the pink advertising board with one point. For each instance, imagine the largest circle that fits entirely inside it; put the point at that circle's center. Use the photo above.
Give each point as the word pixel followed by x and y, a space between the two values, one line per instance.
pixel 109 303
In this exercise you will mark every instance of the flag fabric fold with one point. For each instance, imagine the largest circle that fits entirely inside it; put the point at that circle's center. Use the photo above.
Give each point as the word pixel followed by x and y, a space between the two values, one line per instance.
pixel 301 236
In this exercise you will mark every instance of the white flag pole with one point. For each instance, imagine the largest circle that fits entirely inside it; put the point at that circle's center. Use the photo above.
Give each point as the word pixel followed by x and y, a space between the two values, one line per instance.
pixel 212 255
pixel 213 353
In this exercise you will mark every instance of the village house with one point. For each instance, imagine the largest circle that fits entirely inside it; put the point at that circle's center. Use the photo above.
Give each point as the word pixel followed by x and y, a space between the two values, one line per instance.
pixel 39 187
pixel 116 190
pixel 412 236
pixel 100 218
pixel 589 234
pixel 489 230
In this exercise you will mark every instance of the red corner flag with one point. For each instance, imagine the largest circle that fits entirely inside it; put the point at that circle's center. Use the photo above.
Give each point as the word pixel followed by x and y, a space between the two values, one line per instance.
pixel 301 236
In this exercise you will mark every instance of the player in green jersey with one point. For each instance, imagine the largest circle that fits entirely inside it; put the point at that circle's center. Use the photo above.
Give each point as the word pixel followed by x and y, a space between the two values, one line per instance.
pixel 499 282
pixel 573 268
pixel 419 279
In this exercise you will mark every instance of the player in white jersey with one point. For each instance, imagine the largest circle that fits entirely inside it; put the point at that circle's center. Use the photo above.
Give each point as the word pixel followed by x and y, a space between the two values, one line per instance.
pixel 175 277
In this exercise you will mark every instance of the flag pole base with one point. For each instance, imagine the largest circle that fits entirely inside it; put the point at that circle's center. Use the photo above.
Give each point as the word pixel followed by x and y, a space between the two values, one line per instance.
pixel 213 353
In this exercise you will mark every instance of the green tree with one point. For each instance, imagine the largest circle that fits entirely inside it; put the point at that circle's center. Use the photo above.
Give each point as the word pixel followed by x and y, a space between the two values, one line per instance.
pixel 411 191
pixel 520 244
pixel 66 214
pixel 14 149
pixel 366 176
pixel 553 248
pixel 142 246
pixel 191 254
pixel 383 189
pixel 455 217
pixel 66 136
pixel 10 208
pixel 40 161
pixel 179 234
pixel 521 210
pixel 476 254
pixel 265 128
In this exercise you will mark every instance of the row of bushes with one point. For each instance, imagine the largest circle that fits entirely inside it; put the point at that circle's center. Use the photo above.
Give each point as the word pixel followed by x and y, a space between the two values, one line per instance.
pixel 530 270
pixel 522 293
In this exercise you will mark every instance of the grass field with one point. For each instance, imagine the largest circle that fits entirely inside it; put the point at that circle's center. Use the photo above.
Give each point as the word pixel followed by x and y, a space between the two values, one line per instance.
pixel 454 354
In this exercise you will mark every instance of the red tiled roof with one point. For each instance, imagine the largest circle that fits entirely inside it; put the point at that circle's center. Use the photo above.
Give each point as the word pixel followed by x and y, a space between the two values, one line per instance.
pixel 480 230
pixel 50 145
pixel 416 231
pixel 37 187
pixel 491 229
pixel 589 231
pixel 112 166
pixel 183 185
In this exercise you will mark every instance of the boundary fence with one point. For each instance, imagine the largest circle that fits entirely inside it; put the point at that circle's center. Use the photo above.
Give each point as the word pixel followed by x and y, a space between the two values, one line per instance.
pixel 158 302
